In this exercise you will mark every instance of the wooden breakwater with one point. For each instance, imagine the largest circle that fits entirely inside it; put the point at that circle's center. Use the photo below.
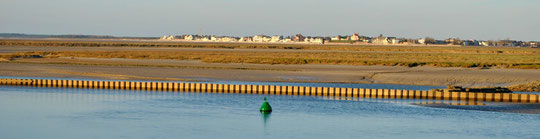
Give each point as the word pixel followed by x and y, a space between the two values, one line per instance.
pixel 276 90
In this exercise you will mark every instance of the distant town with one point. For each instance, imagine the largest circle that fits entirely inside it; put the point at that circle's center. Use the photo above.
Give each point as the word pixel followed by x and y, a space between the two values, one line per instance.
pixel 355 38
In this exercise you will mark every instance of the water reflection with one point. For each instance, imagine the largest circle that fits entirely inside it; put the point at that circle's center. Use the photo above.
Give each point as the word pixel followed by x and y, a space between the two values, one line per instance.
pixel 508 107
pixel 265 117
pixel 479 106
pixel 459 103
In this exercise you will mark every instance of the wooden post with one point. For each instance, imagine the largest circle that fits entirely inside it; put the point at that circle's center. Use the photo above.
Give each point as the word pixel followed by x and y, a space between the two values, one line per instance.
pixel 515 97
pixel 331 91
pixel 386 93
pixel 497 97
pixel 324 91
pixel 272 89
pixel 301 90
pixel 463 95
pixel 488 97
pixel 266 89
pixel 524 98
pixel 417 94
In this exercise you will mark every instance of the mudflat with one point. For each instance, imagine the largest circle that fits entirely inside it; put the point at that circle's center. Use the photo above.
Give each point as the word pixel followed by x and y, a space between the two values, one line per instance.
pixel 84 63
pixel 134 69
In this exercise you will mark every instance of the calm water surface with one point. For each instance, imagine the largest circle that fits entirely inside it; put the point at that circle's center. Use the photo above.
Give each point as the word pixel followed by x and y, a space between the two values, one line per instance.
pixel 28 112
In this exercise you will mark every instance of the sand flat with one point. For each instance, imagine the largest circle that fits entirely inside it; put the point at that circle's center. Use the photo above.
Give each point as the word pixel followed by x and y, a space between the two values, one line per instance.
pixel 191 70
pixel 137 69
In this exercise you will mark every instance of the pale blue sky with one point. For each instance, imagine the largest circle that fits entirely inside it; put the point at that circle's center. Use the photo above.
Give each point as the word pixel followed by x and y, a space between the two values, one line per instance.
pixel 480 19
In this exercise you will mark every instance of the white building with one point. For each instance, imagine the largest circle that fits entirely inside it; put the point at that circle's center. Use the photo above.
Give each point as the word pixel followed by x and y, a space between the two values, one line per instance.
pixel 205 38
pixel 190 37
pixel 228 39
pixel 422 41
pixel 483 43
pixel 384 40
pixel 213 38
pixel 394 41
pixel 246 39
pixel 314 40
pixel 261 38
pixel 287 40
pixel 170 37
pixel 276 38
pixel 355 37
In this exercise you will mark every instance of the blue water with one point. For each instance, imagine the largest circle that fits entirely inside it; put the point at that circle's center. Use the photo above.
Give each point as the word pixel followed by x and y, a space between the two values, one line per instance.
pixel 28 112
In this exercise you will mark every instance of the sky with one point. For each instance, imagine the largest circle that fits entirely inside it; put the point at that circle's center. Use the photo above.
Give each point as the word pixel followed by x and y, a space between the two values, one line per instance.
pixel 441 19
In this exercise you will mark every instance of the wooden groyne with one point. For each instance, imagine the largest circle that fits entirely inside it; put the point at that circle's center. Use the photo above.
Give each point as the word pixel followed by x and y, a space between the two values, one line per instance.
pixel 276 90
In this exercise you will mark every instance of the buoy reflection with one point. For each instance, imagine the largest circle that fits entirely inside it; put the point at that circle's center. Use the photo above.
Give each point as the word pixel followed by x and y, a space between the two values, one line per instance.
pixel 266 117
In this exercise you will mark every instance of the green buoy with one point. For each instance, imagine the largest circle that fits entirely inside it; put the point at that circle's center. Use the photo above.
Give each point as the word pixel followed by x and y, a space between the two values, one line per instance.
pixel 266 106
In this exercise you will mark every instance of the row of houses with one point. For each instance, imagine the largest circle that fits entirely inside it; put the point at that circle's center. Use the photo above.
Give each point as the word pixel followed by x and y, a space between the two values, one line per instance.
pixel 354 39
pixel 425 41
pixel 255 39
pixel 280 39
pixel 502 43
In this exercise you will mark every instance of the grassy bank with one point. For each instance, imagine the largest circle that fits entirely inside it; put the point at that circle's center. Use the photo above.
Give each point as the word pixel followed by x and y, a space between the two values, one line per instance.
pixel 361 48
pixel 410 59
pixel 528 87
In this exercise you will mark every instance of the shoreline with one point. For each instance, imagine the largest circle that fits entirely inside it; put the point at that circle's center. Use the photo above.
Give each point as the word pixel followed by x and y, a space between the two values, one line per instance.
pixel 193 71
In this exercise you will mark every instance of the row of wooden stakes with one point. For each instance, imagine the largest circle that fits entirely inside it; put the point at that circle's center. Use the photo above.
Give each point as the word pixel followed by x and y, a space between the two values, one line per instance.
pixel 276 90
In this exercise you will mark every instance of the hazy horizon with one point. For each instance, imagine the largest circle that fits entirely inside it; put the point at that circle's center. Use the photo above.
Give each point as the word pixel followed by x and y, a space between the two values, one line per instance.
pixel 466 19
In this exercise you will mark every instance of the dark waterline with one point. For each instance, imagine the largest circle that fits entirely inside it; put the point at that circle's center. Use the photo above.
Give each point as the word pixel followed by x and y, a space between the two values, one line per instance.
pixel 29 112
